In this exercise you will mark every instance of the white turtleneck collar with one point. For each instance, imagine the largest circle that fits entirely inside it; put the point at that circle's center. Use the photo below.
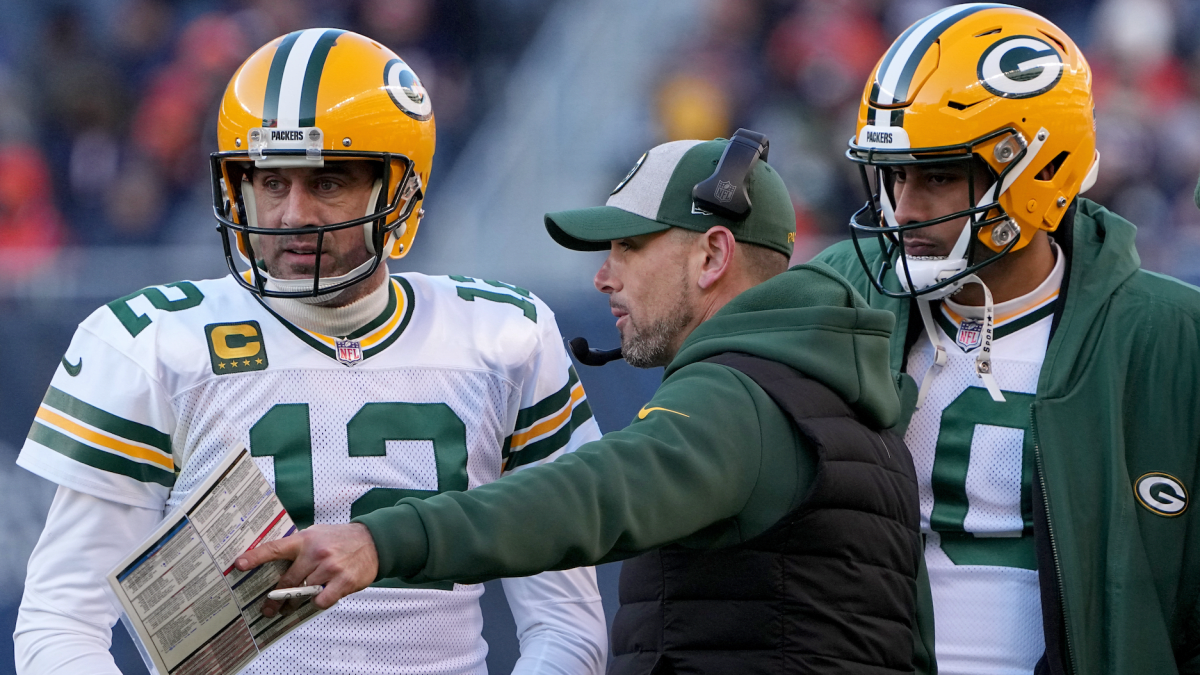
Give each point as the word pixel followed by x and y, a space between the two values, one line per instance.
pixel 333 321
pixel 1018 306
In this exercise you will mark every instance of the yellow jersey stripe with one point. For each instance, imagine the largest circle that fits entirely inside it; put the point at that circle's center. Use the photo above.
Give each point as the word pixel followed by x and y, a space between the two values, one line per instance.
pixel 549 424
pixel 379 334
pixel 954 316
pixel 110 443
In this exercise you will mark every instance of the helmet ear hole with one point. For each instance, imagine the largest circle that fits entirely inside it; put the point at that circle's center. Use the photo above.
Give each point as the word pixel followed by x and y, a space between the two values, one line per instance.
pixel 1048 172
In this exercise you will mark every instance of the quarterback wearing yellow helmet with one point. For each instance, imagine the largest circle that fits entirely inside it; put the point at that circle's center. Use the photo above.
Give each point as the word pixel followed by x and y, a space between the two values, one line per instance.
pixel 1055 430
pixel 300 103
pixel 351 387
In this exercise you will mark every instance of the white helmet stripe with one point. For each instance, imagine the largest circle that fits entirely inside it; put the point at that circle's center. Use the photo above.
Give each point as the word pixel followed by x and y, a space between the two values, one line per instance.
pixel 895 73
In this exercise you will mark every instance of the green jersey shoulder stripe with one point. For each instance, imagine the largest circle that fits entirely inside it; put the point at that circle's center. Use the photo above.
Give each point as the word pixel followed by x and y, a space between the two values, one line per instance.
pixel 106 421
pixel 86 454
pixel 539 450
pixel 548 406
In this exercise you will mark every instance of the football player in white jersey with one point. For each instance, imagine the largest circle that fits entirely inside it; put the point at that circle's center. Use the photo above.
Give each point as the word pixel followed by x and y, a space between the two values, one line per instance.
pixel 351 387
pixel 1054 431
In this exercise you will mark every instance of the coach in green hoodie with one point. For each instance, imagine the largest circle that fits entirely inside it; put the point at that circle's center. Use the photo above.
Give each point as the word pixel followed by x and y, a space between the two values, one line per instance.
pixel 772 513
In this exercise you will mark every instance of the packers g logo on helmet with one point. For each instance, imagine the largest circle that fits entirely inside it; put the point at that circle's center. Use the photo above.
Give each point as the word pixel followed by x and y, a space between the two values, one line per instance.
pixel 406 90
pixel 1019 67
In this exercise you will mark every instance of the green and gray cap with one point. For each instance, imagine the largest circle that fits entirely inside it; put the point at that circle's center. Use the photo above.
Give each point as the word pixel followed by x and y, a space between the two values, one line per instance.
pixel 657 194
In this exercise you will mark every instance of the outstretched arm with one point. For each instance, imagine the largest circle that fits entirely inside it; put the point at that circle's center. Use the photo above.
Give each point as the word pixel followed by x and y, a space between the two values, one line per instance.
pixel 670 474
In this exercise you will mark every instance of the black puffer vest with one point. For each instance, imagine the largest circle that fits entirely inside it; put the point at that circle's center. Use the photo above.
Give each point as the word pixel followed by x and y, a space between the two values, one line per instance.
pixel 830 588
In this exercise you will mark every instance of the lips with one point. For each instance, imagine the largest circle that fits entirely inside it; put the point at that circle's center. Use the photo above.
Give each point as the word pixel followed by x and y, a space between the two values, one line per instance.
pixel 621 313
pixel 922 248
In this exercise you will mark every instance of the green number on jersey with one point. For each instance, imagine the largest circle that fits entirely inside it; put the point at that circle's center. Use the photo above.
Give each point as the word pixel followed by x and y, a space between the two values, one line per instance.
pixel 136 323
pixel 949 482
pixel 469 294
pixel 284 433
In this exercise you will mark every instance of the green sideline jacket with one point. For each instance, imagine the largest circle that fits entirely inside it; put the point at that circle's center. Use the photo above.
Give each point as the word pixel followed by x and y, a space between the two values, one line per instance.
pixel 1118 398
pixel 709 461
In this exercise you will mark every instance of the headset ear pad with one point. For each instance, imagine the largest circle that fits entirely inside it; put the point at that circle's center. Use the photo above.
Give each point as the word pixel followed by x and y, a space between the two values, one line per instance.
pixel 724 193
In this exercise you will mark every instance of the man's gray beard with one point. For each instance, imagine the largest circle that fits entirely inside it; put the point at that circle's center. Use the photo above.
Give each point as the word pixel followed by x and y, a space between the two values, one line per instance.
pixel 651 347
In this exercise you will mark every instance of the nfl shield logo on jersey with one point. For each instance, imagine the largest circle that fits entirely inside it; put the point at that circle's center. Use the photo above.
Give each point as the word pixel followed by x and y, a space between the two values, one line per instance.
pixel 969 333
pixel 349 352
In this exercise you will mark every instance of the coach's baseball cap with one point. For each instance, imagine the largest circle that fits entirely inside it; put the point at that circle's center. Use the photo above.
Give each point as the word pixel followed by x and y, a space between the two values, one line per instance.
pixel 657 194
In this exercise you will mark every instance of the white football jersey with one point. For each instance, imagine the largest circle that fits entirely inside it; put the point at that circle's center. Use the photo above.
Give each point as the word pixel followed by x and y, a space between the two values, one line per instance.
pixel 458 382
pixel 974 460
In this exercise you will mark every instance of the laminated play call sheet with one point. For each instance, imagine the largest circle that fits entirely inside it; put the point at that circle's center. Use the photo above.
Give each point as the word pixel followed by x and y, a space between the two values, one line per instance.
pixel 192 610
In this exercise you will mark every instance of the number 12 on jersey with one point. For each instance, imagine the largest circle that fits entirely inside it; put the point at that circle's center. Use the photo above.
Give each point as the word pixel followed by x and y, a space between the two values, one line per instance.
pixel 284 433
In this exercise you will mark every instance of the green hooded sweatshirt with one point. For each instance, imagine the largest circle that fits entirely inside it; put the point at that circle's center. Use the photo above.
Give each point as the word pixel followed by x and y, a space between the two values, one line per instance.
pixel 710 461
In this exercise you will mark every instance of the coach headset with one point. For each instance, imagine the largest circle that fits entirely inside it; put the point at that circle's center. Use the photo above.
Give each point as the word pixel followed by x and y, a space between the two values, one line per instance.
pixel 744 149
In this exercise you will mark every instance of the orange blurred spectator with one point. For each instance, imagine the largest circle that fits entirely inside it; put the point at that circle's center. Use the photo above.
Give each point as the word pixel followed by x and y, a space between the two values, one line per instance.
pixel 31 230
pixel 826 49
pixel 168 124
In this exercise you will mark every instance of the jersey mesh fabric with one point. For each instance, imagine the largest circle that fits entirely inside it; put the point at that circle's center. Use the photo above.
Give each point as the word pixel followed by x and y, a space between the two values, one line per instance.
pixel 987 617
pixel 380 630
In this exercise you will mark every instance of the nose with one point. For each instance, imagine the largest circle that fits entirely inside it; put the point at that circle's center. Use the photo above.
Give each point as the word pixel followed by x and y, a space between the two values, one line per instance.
pixel 300 207
pixel 604 281
pixel 906 204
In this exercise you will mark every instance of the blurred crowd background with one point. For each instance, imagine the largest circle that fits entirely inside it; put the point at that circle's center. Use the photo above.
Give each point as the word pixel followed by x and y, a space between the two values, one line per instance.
pixel 108 108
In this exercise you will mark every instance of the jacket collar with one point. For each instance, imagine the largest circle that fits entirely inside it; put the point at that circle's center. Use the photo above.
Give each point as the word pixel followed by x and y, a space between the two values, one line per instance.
pixel 1102 258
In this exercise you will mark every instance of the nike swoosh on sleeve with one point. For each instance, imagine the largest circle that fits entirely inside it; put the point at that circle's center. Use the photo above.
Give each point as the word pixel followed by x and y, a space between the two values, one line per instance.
pixel 72 370
pixel 646 411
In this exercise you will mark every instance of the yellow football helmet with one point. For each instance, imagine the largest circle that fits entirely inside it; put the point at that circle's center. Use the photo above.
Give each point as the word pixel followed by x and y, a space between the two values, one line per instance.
pixel 986 81
pixel 314 96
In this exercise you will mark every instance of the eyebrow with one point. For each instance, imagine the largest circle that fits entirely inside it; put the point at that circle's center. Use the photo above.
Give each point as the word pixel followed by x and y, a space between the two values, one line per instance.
pixel 331 169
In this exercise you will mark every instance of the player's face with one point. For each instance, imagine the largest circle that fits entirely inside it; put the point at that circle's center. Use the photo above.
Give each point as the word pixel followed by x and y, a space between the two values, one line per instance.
pixel 928 191
pixel 647 281
pixel 300 197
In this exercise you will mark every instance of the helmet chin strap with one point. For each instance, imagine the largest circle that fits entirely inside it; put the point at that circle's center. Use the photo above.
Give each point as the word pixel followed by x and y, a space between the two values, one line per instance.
pixel 983 359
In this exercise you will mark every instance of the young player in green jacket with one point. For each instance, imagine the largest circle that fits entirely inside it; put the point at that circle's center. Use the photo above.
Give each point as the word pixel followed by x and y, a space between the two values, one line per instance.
pixel 1058 426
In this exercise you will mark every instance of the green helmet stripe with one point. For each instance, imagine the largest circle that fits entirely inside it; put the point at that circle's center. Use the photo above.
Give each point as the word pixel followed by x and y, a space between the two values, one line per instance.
pixel 275 79
pixel 312 77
